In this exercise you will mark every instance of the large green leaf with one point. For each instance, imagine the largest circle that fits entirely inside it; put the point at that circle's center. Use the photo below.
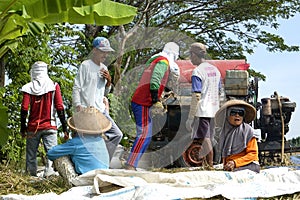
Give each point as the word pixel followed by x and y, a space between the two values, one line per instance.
pixel 14 5
pixel 19 17
pixel 104 12
pixel 12 26
pixel 98 12
pixel 9 45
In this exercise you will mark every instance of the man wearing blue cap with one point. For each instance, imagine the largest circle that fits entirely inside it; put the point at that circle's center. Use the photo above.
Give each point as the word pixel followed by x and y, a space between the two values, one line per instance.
pixel 92 84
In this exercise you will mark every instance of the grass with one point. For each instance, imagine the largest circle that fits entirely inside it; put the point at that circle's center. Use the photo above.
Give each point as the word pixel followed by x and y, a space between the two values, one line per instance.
pixel 13 181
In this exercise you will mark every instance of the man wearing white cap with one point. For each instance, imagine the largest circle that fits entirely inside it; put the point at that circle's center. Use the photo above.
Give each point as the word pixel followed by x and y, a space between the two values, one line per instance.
pixel 147 95
pixel 92 84
pixel 44 99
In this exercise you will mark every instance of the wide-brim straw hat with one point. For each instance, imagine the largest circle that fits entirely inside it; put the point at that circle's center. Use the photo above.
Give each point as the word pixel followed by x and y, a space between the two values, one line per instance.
pixel 250 111
pixel 90 121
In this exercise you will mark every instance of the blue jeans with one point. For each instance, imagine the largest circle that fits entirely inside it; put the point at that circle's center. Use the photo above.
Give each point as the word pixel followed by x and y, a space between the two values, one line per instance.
pixel 49 138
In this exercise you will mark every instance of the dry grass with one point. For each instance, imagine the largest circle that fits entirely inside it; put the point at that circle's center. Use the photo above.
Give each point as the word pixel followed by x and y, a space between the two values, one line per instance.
pixel 14 182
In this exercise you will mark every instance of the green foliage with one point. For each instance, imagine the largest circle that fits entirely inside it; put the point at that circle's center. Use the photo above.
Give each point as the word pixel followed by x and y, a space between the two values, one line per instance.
pixel 3 124
pixel 14 146
pixel 119 111
pixel 259 75
pixel 295 142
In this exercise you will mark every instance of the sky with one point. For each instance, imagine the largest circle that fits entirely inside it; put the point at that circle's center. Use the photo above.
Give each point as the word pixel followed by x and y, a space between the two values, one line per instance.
pixel 282 71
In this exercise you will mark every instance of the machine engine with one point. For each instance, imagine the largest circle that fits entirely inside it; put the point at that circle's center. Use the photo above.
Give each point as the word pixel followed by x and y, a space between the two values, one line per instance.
pixel 275 115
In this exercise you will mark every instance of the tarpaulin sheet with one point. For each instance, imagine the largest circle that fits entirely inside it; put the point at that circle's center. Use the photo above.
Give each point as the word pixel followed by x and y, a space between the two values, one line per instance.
pixel 146 185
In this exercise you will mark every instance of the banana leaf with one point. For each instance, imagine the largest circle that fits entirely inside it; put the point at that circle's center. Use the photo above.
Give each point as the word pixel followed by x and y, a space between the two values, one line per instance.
pixel 97 12
pixel 19 17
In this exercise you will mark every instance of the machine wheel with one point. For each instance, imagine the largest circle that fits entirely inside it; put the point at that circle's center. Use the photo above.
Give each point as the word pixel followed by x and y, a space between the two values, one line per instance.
pixel 191 157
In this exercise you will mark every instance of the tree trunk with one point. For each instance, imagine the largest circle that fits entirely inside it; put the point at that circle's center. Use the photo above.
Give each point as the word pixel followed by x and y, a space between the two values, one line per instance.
pixel 117 75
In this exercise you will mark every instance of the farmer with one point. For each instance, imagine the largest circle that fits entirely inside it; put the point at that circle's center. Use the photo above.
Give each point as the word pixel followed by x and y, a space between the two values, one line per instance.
pixel 146 98
pixel 238 144
pixel 92 83
pixel 43 97
pixel 206 85
pixel 87 149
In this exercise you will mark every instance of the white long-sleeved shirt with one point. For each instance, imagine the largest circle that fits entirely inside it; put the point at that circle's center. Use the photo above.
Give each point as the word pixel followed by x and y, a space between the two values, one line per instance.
pixel 89 86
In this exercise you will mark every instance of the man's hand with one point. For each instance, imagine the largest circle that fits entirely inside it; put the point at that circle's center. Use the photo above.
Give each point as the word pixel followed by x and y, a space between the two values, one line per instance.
pixel 78 108
pixel 105 74
pixel 66 135
pixel 23 134
pixel 230 165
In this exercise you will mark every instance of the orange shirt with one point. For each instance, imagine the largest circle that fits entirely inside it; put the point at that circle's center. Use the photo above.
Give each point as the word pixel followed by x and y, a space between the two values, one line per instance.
pixel 247 156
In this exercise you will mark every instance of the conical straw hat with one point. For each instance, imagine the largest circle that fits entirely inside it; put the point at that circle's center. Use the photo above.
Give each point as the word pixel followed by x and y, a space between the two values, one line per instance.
pixel 89 120
pixel 249 115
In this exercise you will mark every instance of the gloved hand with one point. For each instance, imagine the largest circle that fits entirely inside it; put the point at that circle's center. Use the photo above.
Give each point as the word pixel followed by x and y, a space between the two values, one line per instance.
pixel 157 109
pixel 193 109
pixel 61 116
pixel 23 134
pixel 154 96
pixel 24 114
pixel 189 124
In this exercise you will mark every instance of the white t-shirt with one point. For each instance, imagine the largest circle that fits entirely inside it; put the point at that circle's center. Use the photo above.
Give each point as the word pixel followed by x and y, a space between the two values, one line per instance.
pixel 89 86
pixel 209 101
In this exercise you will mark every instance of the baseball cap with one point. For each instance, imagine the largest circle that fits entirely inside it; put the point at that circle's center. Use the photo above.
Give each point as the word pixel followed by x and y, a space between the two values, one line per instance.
pixel 102 44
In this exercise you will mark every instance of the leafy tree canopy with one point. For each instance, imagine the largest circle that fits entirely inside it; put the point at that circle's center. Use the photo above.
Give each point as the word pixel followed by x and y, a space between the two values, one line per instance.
pixel 228 27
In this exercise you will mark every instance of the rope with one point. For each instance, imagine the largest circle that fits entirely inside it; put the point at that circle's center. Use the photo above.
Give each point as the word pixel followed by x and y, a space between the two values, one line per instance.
pixel 282 127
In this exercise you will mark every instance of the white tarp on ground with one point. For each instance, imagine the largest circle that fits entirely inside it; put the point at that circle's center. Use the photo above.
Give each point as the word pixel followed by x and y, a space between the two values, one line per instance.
pixel 146 185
